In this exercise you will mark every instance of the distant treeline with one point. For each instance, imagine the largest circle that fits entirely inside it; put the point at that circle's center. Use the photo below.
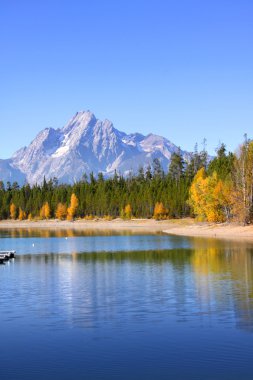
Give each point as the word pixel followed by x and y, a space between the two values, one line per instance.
pixel 219 190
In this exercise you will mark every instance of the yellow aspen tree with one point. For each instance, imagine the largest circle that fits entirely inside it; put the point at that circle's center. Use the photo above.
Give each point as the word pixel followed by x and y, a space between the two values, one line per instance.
pixel 212 209
pixel 21 214
pixel 197 194
pixel 218 199
pixel 163 211
pixel 159 211
pixel 42 212
pixel 71 211
pixel 211 198
pixel 128 211
pixel 61 211
pixel 156 211
pixel 224 195
pixel 47 210
pixel 13 211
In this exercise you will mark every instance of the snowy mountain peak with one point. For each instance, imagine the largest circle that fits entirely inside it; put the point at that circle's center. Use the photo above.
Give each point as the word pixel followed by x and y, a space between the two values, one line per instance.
pixel 81 120
pixel 85 144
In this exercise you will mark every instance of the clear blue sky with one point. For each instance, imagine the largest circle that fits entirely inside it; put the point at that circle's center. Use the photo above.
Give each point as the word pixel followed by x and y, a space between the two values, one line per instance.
pixel 179 68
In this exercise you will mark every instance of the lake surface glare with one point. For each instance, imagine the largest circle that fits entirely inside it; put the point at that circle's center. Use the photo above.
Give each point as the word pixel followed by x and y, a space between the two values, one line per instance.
pixel 101 305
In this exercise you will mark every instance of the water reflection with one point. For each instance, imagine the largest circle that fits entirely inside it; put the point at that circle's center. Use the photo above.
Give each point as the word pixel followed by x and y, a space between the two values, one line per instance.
pixel 224 279
pixel 207 285
pixel 182 312
pixel 70 232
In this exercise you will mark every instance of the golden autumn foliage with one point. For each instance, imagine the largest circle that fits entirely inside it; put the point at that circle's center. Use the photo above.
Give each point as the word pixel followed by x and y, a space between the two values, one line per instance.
pixel 13 211
pixel 21 214
pixel 128 211
pixel 160 211
pixel 61 211
pixel 211 199
pixel 207 259
pixel 45 211
pixel 71 211
pixel 42 213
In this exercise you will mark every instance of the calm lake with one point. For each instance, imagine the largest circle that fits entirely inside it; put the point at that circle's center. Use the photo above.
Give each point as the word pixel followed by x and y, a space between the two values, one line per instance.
pixel 101 305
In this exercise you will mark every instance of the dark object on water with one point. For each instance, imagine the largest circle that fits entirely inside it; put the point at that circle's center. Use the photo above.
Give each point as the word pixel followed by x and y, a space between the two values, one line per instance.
pixel 6 255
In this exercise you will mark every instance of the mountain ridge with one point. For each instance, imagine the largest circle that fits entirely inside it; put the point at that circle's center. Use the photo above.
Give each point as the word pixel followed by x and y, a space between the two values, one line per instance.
pixel 84 145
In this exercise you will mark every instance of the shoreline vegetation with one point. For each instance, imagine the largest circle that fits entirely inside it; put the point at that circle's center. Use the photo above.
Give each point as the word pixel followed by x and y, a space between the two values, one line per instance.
pixel 181 227
pixel 213 191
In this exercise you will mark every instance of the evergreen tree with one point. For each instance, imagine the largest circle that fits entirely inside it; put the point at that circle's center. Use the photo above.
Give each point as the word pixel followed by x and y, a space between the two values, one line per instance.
pixel 157 168
pixel 222 164
pixel 177 164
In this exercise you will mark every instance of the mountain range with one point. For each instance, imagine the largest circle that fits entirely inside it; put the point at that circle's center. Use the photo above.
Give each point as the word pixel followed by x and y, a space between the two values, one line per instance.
pixel 84 145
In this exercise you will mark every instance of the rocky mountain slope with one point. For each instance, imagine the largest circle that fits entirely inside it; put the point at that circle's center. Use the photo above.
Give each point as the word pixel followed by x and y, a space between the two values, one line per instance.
pixel 85 144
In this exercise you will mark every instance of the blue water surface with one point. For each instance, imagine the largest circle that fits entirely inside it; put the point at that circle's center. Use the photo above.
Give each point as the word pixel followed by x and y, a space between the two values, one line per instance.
pixel 77 244
pixel 125 307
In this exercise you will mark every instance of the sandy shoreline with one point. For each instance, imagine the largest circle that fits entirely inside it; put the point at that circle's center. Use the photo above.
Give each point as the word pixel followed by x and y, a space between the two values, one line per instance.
pixel 182 227
pixel 148 225
pixel 220 231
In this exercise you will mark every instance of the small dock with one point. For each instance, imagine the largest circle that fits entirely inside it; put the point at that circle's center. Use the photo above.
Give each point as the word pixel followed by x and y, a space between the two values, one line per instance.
pixel 6 255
